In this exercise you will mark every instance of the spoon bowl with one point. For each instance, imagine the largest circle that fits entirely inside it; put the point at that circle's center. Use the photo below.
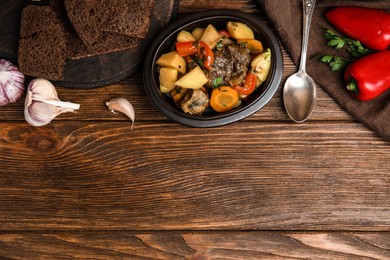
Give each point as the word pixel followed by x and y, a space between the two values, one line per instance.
pixel 299 96
pixel 299 93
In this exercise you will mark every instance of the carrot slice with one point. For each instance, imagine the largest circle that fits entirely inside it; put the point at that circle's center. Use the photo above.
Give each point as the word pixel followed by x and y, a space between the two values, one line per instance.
pixel 254 46
pixel 223 99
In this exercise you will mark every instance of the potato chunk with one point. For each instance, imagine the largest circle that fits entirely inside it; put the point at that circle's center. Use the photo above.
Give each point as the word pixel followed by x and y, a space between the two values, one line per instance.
pixel 172 60
pixel 167 78
pixel 262 65
pixel 210 36
pixel 184 36
pixel 240 30
pixel 194 79
pixel 197 33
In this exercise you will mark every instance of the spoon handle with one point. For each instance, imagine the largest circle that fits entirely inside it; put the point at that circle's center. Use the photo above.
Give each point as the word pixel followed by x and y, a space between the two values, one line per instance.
pixel 308 7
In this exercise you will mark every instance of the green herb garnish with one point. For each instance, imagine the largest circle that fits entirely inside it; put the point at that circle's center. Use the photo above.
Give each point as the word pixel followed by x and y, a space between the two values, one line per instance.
pixel 217 82
pixel 356 49
pixel 335 63
pixel 220 44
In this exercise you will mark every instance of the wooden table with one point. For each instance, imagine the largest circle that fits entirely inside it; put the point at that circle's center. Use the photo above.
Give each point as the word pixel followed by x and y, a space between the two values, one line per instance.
pixel 86 186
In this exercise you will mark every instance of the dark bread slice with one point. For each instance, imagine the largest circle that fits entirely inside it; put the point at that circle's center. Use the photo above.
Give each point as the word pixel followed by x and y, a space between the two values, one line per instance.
pixel 107 43
pixel 58 7
pixel 88 18
pixel 134 21
pixel 39 42
pixel 42 55
pixel 41 51
pixel 34 19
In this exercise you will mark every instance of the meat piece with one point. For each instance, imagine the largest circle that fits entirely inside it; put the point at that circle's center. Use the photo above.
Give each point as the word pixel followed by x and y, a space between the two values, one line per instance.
pixel 231 63
pixel 240 57
pixel 195 102
pixel 221 68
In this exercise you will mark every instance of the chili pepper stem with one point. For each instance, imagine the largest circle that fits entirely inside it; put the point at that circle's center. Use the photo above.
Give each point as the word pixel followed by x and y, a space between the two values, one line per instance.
pixel 352 86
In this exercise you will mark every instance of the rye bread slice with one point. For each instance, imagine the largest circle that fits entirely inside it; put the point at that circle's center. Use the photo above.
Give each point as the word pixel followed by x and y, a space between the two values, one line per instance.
pixel 107 43
pixel 35 18
pixel 134 21
pixel 41 51
pixel 88 18
pixel 58 7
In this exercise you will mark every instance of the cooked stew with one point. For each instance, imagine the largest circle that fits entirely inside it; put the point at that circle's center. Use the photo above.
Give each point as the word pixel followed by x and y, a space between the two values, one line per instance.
pixel 213 70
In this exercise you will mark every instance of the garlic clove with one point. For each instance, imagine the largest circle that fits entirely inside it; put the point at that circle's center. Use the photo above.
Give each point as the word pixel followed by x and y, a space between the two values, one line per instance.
pixel 122 105
pixel 44 88
pixel 40 114
pixel 11 83
pixel 42 104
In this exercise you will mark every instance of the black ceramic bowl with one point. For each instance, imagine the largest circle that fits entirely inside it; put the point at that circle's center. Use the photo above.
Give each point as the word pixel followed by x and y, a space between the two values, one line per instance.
pixel 163 44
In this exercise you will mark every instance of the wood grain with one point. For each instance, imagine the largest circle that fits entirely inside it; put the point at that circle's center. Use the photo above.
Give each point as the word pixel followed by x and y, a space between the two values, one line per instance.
pixel 93 103
pixel 190 6
pixel 314 176
pixel 195 246
pixel 87 187
pixel 93 108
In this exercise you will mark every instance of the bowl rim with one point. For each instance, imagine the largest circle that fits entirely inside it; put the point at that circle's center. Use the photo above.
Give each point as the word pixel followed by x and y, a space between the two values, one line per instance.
pixel 232 116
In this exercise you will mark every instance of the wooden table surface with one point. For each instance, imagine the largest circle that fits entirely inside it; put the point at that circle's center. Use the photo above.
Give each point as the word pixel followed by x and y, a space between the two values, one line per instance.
pixel 86 186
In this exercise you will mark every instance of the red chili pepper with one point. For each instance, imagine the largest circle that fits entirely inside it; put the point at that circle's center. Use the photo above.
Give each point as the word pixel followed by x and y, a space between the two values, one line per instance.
pixel 368 77
pixel 249 85
pixel 224 33
pixel 206 54
pixel 370 26
pixel 186 48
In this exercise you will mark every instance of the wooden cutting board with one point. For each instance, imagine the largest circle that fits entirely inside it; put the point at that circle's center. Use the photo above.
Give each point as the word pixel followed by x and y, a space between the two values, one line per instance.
pixel 92 72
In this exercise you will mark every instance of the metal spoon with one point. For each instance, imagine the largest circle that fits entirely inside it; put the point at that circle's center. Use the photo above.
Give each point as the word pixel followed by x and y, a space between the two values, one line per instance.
pixel 299 93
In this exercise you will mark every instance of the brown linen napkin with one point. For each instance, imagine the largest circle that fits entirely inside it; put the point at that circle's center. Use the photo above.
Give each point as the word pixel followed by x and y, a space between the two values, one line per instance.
pixel 286 17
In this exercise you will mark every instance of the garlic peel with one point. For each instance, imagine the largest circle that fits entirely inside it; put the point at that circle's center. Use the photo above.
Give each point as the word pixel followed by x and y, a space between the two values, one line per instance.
pixel 42 104
pixel 122 105
pixel 11 83
pixel 58 103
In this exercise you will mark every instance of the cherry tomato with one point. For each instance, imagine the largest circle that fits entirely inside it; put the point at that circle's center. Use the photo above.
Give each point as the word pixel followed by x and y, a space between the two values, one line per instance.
pixel 224 33
pixel 206 54
pixel 186 48
pixel 249 85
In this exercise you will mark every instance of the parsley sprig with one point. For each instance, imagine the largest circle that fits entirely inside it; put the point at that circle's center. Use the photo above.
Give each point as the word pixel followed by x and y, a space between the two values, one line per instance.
pixel 354 47
pixel 335 63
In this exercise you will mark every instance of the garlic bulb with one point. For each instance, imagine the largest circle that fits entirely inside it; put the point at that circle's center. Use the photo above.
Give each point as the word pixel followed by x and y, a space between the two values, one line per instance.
pixel 42 104
pixel 11 83
pixel 122 105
